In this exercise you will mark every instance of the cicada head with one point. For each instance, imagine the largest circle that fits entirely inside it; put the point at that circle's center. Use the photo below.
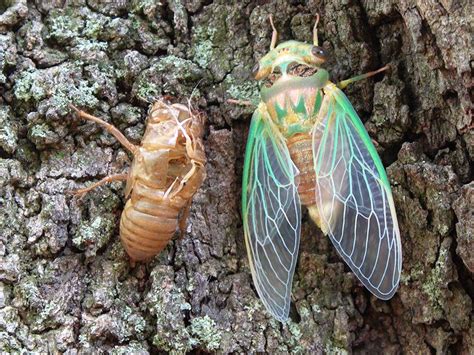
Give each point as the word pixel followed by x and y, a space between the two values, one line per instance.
pixel 163 110
pixel 282 59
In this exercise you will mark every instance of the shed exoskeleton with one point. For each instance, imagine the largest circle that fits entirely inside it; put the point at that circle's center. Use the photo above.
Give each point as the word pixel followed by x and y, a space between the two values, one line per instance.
pixel 168 168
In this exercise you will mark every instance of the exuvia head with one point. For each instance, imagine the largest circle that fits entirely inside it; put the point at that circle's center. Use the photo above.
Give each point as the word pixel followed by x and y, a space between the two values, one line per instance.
pixel 289 52
pixel 163 110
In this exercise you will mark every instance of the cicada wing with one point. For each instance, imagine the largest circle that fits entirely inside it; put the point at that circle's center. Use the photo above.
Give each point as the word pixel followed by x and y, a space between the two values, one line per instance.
pixel 271 214
pixel 354 198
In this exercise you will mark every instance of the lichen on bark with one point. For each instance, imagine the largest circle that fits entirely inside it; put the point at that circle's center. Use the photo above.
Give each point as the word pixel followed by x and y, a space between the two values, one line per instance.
pixel 65 281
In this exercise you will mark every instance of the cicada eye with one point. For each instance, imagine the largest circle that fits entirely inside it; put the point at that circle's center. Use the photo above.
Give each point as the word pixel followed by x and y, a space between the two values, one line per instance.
pixel 318 52
pixel 255 69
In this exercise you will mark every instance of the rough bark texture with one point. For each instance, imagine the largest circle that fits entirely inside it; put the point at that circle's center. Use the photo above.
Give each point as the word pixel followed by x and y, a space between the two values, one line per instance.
pixel 65 280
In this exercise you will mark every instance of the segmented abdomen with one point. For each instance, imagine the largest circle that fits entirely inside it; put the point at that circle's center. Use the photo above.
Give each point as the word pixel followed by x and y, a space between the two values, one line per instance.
pixel 148 223
pixel 301 152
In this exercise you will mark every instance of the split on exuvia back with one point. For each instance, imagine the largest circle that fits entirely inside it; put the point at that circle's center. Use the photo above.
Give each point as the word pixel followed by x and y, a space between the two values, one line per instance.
pixel 307 146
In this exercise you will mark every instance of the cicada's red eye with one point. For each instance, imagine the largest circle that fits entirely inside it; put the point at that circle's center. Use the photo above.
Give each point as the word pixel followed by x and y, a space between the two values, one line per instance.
pixel 319 53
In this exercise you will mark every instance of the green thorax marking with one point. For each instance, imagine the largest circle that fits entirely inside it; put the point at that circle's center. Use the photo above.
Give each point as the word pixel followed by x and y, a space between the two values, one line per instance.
pixel 293 101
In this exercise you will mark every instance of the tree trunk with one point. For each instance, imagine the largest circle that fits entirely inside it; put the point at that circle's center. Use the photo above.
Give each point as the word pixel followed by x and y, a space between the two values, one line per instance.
pixel 66 284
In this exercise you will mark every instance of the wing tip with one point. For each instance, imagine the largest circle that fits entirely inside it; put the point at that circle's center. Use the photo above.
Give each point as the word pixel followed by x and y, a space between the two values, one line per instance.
pixel 383 296
pixel 281 319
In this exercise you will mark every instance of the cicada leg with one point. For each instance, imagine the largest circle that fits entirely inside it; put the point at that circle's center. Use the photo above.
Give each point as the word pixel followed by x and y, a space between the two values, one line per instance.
pixel 168 194
pixel 110 128
pixel 240 102
pixel 183 181
pixel 107 179
pixel 344 83
pixel 183 218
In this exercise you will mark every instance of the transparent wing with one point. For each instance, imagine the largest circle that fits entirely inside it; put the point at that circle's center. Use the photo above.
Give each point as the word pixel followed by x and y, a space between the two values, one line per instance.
pixel 353 197
pixel 271 214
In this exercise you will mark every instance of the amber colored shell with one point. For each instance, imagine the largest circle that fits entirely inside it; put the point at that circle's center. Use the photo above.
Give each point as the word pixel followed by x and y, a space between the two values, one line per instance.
pixel 167 170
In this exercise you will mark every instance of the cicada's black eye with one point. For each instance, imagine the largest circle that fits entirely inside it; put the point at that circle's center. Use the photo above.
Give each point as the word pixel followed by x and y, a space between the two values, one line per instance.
pixel 318 52
pixel 255 69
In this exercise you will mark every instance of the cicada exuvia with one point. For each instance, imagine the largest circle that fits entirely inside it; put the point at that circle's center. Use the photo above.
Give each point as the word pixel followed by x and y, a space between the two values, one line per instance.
pixel 307 146
pixel 167 170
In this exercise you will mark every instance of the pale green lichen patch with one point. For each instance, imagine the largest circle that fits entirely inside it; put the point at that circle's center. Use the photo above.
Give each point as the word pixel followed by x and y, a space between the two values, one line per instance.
pixel 121 323
pixel 48 292
pixel 203 48
pixel 87 45
pixel 205 332
pixel 435 283
pixel 93 235
pixel 245 91
pixel 294 341
pixel 80 94
pixel 9 319
pixel 416 273
pixel 58 85
pixel 64 25
pixel 168 75
pixel 29 85
pixel 212 43
pixel 165 63
pixel 134 347
pixel 331 348
pixel 8 130
pixel 8 54
pixel 41 134
pixel 148 91
pixel 94 25
pixel 164 301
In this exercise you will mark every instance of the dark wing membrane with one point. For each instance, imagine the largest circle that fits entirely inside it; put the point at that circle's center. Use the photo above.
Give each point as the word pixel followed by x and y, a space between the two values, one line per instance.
pixel 271 214
pixel 354 198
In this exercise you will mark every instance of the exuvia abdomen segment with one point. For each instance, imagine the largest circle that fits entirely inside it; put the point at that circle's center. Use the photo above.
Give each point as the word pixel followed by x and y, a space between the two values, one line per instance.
pixel 148 222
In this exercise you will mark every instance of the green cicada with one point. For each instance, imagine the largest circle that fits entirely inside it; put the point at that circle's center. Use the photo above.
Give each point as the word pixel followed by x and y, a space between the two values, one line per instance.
pixel 308 146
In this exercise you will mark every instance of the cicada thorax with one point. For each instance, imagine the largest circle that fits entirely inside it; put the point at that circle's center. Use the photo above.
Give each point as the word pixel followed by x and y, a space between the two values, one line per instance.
pixel 167 170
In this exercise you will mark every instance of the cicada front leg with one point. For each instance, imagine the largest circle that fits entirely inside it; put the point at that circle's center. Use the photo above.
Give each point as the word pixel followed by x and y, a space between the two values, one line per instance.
pixel 179 183
pixel 120 137
pixel 108 127
pixel 106 180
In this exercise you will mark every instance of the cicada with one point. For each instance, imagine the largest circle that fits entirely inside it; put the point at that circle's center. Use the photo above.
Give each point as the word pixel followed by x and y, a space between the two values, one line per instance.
pixel 307 146
pixel 167 170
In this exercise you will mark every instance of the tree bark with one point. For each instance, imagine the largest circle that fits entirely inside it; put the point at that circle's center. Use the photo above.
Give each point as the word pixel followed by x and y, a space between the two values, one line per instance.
pixel 66 284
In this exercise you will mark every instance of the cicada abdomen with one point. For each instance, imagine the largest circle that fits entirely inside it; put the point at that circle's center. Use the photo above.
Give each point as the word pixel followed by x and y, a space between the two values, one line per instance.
pixel 307 146
pixel 167 170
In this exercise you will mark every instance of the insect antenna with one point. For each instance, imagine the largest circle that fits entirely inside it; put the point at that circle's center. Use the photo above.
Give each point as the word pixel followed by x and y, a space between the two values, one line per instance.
pixel 315 31
pixel 194 92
